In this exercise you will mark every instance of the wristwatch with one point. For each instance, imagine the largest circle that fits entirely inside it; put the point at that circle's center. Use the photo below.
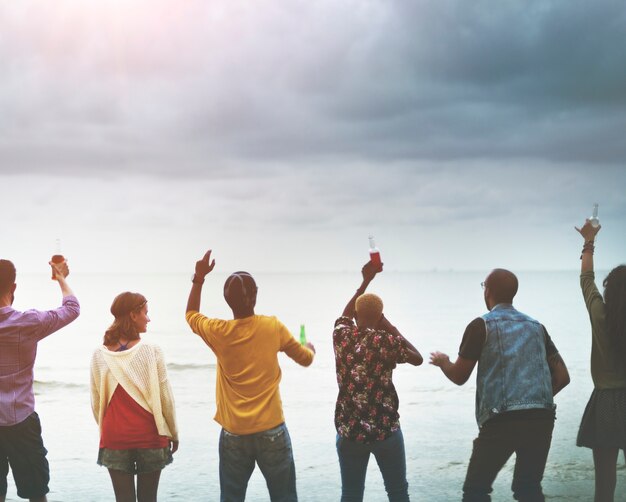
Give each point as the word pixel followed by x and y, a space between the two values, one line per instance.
pixel 196 281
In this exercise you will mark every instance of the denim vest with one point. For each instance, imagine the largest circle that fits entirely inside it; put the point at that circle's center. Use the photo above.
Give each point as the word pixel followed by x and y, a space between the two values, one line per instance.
pixel 513 372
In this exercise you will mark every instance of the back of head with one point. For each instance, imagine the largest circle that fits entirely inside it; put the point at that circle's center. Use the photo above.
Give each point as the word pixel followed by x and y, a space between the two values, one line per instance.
pixel 502 285
pixel 240 291
pixel 123 326
pixel 615 301
pixel 369 309
pixel 7 276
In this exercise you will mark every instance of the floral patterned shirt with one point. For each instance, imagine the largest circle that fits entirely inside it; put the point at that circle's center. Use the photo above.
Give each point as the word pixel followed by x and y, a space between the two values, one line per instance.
pixel 367 403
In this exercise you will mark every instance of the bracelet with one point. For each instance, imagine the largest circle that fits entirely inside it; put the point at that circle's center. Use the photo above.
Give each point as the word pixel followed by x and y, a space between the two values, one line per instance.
pixel 195 280
pixel 588 247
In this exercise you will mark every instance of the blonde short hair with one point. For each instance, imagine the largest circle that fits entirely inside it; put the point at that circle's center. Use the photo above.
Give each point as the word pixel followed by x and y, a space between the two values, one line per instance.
pixel 369 308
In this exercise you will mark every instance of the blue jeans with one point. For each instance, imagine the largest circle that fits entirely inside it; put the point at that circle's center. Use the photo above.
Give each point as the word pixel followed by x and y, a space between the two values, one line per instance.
pixel 389 454
pixel 271 450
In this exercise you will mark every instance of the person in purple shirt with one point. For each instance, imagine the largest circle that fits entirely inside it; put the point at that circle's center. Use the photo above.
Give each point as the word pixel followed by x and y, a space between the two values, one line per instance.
pixel 21 445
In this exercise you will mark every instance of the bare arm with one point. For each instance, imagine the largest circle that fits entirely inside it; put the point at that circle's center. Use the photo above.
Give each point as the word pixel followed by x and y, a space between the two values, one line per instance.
pixel 368 272
pixel 589 235
pixel 414 357
pixel 203 267
pixel 195 295
pixel 560 375
pixel 457 372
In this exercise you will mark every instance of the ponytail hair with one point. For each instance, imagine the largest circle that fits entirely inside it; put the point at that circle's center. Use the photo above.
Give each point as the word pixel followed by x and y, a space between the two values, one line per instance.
pixel 615 302
pixel 123 326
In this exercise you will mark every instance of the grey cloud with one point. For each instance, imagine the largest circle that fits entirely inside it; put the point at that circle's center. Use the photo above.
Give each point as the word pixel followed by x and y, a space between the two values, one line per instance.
pixel 440 212
pixel 500 80
pixel 564 51
pixel 202 90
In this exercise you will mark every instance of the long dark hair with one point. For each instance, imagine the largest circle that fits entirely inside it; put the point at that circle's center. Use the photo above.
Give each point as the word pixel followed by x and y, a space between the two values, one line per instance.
pixel 615 301
pixel 123 326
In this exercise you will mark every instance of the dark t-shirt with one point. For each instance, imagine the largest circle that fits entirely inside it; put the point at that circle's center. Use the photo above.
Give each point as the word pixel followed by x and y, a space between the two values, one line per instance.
pixel 471 348
pixel 474 340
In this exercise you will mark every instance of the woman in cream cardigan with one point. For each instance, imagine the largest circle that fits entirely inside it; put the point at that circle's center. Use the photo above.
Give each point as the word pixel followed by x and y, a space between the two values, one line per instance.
pixel 132 403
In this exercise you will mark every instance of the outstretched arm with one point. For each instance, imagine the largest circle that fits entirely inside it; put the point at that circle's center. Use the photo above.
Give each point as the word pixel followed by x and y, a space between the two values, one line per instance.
pixel 457 372
pixel 414 357
pixel 368 272
pixel 589 235
pixel 203 267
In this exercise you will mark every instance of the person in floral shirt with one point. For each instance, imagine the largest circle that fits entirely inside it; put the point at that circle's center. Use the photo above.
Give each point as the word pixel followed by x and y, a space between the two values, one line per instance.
pixel 366 413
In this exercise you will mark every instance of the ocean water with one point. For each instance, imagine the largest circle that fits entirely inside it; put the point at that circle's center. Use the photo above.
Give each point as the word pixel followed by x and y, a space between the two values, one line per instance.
pixel 437 417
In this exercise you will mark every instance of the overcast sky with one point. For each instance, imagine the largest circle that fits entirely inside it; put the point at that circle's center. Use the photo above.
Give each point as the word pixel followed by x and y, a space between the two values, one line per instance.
pixel 463 135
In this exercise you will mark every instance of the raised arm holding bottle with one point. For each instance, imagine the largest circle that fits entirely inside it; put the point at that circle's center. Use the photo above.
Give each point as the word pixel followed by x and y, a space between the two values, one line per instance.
pixel 366 412
pixel 249 406
pixel 603 426
pixel 21 443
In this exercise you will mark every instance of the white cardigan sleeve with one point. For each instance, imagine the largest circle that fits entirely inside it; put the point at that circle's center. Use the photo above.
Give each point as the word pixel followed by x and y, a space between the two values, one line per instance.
pixel 95 390
pixel 167 397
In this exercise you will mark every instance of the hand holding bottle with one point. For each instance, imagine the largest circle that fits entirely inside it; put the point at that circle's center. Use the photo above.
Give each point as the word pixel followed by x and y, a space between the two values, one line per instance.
pixel 59 267
pixel 303 341
pixel 588 231
pixel 370 270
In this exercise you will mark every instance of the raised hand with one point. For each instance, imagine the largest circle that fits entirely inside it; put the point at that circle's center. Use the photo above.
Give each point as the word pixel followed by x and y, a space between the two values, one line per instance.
pixel 588 231
pixel 370 270
pixel 439 359
pixel 59 270
pixel 205 265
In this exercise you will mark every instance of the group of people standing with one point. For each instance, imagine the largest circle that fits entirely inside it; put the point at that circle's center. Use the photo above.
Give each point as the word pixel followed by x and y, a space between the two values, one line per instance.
pixel 519 373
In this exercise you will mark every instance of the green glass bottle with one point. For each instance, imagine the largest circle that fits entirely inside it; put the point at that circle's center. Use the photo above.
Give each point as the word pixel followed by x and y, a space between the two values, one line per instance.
pixel 302 335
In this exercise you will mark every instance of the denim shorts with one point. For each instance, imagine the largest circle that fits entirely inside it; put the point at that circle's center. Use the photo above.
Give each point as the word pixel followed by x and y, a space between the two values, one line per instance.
pixel 135 461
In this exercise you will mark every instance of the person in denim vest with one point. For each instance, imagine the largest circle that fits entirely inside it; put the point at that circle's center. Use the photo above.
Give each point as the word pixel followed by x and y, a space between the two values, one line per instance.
pixel 519 372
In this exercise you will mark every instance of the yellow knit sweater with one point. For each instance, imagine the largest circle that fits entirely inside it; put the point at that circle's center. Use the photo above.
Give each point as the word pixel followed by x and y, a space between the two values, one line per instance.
pixel 141 371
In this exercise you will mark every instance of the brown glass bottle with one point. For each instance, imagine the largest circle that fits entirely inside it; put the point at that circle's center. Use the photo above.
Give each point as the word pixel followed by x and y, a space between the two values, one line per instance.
pixel 57 258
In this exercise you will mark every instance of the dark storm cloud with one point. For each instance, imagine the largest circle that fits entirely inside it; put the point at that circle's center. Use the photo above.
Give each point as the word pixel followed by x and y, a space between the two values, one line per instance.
pixel 450 81
pixel 145 87
pixel 497 80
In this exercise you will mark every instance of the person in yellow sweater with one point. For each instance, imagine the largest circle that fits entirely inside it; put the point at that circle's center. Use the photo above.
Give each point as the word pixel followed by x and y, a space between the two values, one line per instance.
pixel 132 403
pixel 249 407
